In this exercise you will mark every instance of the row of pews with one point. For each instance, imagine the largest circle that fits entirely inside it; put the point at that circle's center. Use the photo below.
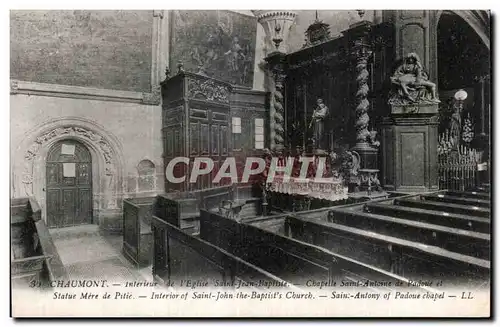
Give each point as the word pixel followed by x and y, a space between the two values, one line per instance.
pixel 437 236
pixel 431 236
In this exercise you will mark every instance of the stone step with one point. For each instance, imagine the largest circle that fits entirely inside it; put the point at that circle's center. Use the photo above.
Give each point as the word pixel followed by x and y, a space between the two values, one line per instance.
pixel 445 207
pixel 456 200
pixel 466 222
pixel 453 239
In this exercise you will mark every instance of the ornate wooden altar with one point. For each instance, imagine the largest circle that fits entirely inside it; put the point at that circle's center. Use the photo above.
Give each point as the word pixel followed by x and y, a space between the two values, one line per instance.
pixel 330 70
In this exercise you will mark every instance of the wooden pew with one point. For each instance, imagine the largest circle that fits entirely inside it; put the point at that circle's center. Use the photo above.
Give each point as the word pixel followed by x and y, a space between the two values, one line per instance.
pixel 453 239
pixel 457 200
pixel 409 259
pixel 469 194
pixel 293 260
pixel 466 222
pixel 137 235
pixel 183 209
pixel 34 257
pixel 181 257
pixel 445 207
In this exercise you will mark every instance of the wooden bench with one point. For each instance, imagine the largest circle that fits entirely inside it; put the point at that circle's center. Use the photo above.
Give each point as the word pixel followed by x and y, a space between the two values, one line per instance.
pixel 180 257
pixel 465 222
pixel 34 257
pixel 457 200
pixel 453 239
pixel 469 194
pixel 409 259
pixel 444 207
pixel 293 260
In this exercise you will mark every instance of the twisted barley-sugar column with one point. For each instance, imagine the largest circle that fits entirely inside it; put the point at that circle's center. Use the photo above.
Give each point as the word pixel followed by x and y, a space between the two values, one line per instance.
pixel 279 120
pixel 362 118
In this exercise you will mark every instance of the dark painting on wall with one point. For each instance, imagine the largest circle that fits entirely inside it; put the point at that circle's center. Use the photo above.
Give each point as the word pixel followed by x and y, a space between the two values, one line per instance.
pixel 110 49
pixel 217 43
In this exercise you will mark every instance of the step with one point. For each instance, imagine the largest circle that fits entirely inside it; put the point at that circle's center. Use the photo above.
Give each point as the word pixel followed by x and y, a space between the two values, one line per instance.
pixel 466 222
pixel 445 207
pixel 453 239
pixel 456 200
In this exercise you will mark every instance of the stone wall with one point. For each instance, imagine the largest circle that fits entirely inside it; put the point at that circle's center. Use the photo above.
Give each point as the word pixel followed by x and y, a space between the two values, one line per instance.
pixel 124 140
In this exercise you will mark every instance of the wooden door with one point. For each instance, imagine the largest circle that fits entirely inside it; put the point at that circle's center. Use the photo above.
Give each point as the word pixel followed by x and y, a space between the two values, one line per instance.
pixel 69 185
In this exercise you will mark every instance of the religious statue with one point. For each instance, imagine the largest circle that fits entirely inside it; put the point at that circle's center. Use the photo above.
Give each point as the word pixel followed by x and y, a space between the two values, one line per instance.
pixel 412 83
pixel 318 119
pixel 456 124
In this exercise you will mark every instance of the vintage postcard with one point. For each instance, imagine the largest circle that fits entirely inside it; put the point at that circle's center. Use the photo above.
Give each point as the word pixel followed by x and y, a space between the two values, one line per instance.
pixel 250 163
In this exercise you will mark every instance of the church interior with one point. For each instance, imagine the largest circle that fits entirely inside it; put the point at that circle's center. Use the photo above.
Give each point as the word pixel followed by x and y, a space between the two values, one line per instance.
pixel 391 108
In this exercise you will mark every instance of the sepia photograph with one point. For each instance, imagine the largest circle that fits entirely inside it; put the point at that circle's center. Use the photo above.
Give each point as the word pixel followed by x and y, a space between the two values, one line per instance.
pixel 250 163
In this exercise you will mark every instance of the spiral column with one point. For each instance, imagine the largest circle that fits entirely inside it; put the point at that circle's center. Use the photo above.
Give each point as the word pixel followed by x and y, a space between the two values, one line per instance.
pixel 276 63
pixel 362 118
pixel 359 35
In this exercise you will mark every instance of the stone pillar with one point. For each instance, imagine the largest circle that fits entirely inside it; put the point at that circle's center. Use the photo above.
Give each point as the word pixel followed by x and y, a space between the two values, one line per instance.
pixel 359 39
pixel 276 24
pixel 410 135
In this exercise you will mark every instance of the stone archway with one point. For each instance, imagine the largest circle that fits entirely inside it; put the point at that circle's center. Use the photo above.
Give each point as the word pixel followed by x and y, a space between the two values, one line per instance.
pixel 477 19
pixel 107 162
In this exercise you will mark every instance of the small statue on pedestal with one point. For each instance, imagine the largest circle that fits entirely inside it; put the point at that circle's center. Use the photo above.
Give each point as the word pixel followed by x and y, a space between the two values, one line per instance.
pixel 412 83
pixel 318 119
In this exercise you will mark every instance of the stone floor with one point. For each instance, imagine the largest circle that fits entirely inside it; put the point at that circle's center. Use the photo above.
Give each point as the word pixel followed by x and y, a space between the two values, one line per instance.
pixel 88 254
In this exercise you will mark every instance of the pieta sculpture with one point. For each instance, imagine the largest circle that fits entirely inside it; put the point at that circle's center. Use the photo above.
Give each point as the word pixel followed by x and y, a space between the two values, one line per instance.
pixel 411 83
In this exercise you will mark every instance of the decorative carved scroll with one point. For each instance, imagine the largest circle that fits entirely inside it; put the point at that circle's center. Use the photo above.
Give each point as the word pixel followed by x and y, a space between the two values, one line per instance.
pixel 209 90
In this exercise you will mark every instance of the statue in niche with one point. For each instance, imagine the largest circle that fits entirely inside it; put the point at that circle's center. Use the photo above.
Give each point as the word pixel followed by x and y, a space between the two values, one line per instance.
pixel 318 120
pixel 413 85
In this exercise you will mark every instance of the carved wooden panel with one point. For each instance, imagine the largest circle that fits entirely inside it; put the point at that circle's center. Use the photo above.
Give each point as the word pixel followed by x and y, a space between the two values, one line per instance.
pixel 215 139
pixel 195 139
pixel 84 205
pixel 223 140
pixel 205 138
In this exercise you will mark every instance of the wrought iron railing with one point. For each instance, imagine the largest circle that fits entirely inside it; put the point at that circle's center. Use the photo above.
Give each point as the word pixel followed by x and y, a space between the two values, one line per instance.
pixel 458 169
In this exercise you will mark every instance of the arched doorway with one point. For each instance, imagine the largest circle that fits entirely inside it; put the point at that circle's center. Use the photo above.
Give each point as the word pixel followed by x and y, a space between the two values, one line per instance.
pixel 69 184
pixel 463 63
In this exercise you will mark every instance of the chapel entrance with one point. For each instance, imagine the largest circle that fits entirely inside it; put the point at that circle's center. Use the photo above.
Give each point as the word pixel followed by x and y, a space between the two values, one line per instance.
pixel 69 185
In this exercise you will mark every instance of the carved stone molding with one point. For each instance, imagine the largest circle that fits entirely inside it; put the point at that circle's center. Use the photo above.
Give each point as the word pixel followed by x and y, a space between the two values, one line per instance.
pixel 99 141
pixel 81 92
pixel 209 90
pixel 29 166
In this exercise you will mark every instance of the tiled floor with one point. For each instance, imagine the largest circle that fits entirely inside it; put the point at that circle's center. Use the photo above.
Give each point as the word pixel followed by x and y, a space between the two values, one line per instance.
pixel 88 254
